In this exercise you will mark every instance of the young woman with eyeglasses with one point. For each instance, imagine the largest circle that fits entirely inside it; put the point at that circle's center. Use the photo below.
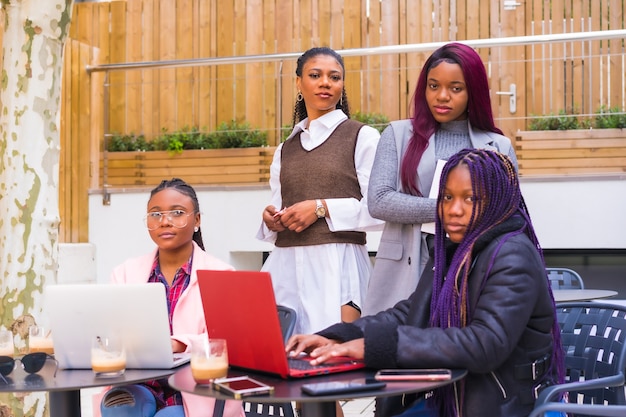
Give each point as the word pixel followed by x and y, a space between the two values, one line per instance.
pixel 173 222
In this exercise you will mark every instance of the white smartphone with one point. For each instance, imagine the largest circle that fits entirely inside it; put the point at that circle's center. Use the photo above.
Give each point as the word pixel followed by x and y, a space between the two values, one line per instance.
pixel 242 386
pixel 439 374
pixel 340 387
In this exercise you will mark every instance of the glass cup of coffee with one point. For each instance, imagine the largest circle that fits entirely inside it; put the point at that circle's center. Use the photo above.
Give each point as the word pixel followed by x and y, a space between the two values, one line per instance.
pixel 209 360
pixel 108 356
pixel 40 340
pixel 6 343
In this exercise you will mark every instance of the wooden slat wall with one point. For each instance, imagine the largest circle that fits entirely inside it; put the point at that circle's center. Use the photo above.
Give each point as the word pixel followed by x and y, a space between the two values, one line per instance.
pixel 147 101
pixel 578 77
pixel 585 151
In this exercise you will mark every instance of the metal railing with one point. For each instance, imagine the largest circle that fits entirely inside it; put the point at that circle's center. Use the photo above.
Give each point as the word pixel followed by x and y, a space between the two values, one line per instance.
pixel 378 50
pixel 357 52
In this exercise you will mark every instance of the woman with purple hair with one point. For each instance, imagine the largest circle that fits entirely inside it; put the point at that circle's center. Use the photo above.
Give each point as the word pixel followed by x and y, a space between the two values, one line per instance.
pixel 451 111
pixel 483 303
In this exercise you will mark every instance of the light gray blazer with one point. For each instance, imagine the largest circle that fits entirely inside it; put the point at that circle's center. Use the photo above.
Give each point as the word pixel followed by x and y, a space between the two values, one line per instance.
pixel 402 252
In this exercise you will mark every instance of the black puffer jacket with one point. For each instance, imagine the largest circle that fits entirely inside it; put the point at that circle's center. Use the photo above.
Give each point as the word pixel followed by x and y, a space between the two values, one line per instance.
pixel 511 326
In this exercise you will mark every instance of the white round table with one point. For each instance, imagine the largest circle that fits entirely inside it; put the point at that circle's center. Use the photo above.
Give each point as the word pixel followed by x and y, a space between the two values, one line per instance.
pixel 581 295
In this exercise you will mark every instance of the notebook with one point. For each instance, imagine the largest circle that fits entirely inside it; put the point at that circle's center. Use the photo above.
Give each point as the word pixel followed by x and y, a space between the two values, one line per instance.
pixel 239 306
pixel 137 312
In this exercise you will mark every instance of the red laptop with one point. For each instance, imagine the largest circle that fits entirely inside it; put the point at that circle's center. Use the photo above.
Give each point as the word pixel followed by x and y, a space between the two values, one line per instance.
pixel 239 306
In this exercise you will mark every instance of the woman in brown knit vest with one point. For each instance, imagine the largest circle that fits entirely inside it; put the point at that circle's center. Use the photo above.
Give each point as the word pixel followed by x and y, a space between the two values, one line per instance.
pixel 318 214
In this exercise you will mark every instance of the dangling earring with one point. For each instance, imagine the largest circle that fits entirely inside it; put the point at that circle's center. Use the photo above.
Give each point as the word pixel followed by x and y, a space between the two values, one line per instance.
pixel 195 229
pixel 341 100
pixel 299 97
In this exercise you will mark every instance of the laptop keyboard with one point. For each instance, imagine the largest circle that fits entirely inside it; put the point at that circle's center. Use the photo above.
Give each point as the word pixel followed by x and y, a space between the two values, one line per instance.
pixel 303 365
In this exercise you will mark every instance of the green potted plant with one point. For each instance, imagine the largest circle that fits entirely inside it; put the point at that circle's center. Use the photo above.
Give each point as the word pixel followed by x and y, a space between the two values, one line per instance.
pixel 376 120
pixel 567 144
pixel 234 153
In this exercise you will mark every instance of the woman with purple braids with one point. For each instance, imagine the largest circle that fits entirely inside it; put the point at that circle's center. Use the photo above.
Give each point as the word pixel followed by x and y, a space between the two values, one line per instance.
pixel 451 111
pixel 483 303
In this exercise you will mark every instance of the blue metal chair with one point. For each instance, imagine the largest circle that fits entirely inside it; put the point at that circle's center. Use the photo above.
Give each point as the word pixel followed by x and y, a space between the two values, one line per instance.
pixel 581 409
pixel 564 278
pixel 594 341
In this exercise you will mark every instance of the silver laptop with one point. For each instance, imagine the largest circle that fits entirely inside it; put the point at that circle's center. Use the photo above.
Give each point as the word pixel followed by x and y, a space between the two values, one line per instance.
pixel 136 312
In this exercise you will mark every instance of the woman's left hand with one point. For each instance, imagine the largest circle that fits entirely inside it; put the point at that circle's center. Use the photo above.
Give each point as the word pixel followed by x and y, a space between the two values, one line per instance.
pixel 299 216
pixel 353 348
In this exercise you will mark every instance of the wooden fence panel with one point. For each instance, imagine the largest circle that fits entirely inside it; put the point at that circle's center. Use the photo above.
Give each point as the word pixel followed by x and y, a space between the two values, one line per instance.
pixel 184 76
pixel 134 90
pixel 241 90
pixel 147 101
pixel 352 39
pixel 594 93
pixel 117 53
pixel 206 99
pixel 150 85
pixel 256 110
pixel 413 62
pixel 585 151
pixel 285 71
pixel 616 47
pixel 225 73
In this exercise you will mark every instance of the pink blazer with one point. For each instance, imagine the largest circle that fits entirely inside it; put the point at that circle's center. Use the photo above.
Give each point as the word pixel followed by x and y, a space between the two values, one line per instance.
pixel 187 322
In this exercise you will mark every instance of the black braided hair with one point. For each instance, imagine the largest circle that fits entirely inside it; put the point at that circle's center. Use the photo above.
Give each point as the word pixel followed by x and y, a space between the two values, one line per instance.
pixel 299 111
pixel 186 189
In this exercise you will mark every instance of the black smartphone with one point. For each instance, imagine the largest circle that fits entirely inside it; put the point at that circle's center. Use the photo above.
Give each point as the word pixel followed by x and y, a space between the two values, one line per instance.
pixel 439 374
pixel 340 387
pixel 242 386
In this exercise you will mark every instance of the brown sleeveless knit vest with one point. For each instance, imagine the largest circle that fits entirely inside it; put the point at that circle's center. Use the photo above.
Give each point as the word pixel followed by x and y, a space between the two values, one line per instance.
pixel 327 171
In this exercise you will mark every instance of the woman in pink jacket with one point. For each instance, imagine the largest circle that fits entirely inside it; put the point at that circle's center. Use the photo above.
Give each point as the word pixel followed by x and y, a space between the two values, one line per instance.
pixel 173 221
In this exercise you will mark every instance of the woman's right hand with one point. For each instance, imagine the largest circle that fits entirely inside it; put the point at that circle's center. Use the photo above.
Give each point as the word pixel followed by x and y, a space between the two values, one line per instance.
pixel 271 218
pixel 305 343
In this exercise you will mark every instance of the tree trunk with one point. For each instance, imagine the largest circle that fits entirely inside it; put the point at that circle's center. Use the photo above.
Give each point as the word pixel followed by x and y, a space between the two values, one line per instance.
pixel 30 92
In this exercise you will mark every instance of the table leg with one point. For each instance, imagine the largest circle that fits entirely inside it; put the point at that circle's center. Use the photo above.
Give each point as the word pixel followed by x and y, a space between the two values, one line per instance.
pixel 64 403
pixel 218 408
pixel 319 409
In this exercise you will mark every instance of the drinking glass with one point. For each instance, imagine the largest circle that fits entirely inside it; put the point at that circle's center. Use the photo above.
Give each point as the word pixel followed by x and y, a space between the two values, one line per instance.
pixel 209 360
pixel 108 356
pixel 40 340
pixel 6 343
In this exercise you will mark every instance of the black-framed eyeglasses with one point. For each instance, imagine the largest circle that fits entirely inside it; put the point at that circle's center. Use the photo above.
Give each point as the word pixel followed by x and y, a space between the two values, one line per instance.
pixel 31 363
pixel 177 218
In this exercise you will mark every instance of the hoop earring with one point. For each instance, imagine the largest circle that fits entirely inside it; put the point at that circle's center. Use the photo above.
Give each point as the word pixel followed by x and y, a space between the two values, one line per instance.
pixel 299 97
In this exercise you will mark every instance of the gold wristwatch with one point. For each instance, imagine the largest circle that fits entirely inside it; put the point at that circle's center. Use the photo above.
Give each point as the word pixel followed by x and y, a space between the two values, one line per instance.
pixel 320 210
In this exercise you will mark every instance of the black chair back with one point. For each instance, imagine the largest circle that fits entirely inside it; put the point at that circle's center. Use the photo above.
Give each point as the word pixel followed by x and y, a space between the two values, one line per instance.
pixel 594 340
pixel 287 318
pixel 564 279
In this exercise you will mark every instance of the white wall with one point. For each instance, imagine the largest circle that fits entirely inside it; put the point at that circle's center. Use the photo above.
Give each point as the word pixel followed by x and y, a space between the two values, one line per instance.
pixel 585 213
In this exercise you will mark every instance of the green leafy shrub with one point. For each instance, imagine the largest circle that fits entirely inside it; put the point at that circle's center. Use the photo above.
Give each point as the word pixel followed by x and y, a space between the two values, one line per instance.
pixel 376 120
pixel 131 142
pixel 285 131
pixel 605 118
pixel 562 121
pixel 236 135
pixel 227 135
pixel 610 118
